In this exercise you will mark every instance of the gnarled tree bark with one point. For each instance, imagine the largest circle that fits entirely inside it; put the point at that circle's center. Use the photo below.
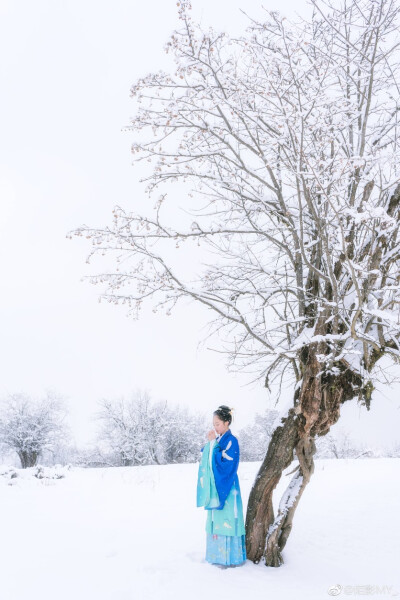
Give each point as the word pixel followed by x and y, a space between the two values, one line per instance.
pixel 317 408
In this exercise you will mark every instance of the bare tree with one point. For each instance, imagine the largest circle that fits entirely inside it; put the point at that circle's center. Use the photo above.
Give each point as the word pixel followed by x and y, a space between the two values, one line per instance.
pixel 286 143
pixel 393 451
pixel 141 432
pixel 132 429
pixel 254 439
pixel 32 427
pixel 339 444
pixel 184 435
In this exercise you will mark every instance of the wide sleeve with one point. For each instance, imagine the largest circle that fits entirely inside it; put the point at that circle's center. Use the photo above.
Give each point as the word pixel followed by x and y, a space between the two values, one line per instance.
pixel 207 494
pixel 225 467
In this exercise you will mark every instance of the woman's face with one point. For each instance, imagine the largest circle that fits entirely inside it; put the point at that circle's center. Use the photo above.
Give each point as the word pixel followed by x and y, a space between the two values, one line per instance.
pixel 220 426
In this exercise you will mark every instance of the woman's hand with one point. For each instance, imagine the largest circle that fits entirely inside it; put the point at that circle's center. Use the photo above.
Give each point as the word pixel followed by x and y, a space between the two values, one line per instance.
pixel 211 435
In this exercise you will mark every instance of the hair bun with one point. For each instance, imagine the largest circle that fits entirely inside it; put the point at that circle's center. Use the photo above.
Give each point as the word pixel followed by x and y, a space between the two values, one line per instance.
pixel 224 412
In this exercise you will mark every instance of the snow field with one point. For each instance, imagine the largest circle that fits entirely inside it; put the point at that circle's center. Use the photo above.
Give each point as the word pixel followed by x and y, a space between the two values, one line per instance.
pixel 134 533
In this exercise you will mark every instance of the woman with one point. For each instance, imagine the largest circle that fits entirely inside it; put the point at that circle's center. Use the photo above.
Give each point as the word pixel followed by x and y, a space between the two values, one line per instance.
pixel 219 492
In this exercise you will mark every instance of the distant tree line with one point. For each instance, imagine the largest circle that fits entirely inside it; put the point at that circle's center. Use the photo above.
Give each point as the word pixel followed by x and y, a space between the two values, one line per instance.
pixel 139 431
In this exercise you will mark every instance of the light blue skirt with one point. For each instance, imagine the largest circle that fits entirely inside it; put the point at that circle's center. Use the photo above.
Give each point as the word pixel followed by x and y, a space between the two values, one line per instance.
pixel 226 549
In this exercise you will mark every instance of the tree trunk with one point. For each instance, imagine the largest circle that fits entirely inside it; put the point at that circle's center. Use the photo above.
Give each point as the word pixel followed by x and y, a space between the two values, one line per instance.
pixel 28 459
pixel 22 458
pixel 260 512
pixel 280 529
pixel 315 411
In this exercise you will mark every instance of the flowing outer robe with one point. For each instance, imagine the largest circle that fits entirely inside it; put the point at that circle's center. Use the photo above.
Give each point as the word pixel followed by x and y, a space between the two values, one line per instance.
pixel 218 486
pixel 224 461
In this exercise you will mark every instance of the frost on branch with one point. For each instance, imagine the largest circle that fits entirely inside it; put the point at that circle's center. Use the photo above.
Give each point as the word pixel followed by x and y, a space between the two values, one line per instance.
pixel 285 146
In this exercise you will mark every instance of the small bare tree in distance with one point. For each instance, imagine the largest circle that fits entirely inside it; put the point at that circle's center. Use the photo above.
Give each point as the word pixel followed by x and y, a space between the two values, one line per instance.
pixel 31 426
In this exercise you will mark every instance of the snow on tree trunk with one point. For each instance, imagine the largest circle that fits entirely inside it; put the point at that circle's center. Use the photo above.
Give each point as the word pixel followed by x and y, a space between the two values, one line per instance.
pixel 260 513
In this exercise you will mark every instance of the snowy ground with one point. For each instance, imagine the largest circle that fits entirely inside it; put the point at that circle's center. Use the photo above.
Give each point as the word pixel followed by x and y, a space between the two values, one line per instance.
pixel 135 533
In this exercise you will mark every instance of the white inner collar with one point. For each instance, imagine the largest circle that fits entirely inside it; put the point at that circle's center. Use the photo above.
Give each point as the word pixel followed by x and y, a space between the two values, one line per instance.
pixel 220 436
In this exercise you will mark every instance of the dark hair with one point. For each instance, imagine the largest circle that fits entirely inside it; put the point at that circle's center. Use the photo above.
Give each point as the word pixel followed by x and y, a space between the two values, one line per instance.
pixel 224 413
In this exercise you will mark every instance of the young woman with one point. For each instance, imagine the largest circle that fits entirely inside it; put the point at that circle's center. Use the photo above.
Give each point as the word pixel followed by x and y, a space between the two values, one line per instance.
pixel 219 492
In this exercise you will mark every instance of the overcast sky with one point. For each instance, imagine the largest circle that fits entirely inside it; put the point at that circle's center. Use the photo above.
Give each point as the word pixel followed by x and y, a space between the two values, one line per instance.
pixel 66 71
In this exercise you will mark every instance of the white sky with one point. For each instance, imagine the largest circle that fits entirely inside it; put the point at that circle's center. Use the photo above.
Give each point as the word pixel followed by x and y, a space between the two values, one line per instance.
pixel 66 70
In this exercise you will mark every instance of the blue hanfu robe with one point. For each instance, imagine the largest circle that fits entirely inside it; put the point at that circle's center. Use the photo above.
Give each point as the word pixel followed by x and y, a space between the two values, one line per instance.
pixel 218 491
